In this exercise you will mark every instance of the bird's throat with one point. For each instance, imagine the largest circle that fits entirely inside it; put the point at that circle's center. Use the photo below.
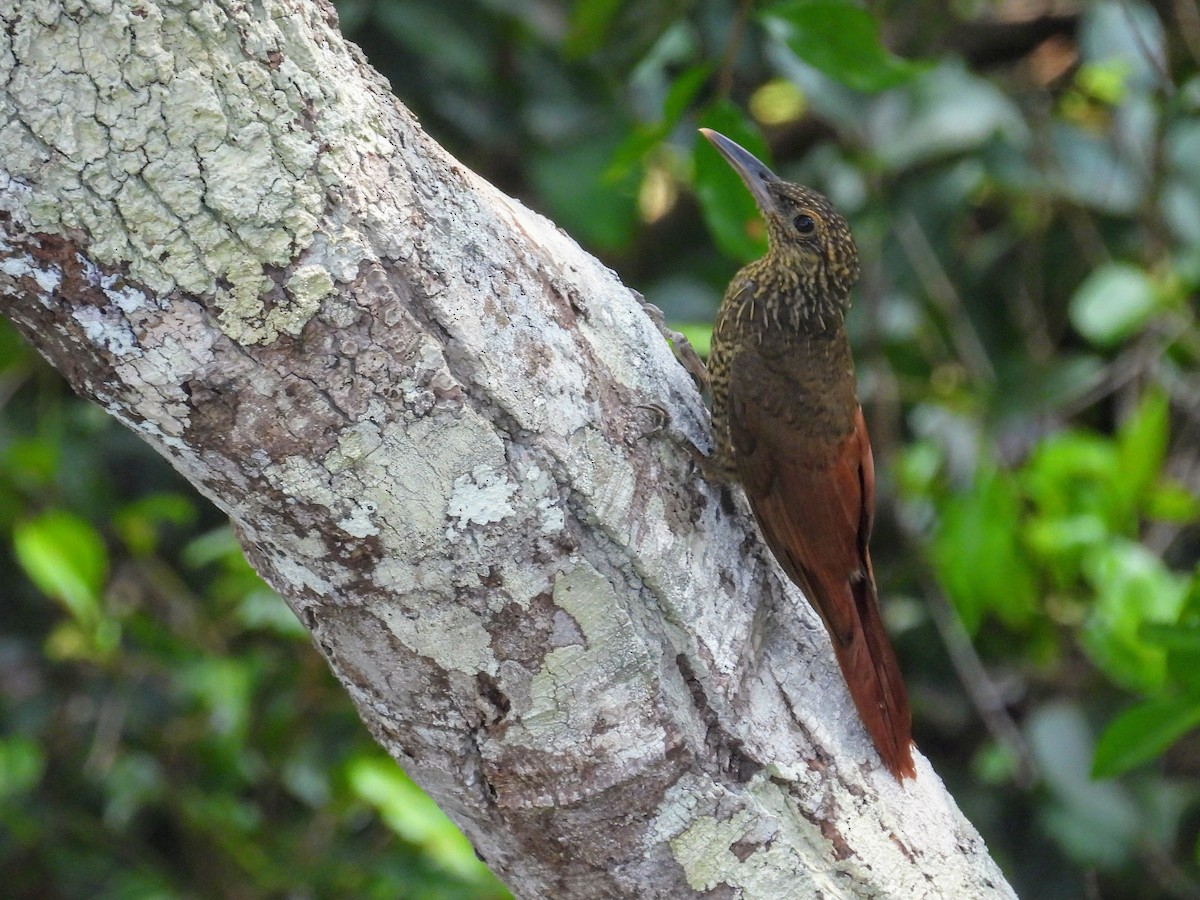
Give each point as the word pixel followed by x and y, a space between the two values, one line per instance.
pixel 786 302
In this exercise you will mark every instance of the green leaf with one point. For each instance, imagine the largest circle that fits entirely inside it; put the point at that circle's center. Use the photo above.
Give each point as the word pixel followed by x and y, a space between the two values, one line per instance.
pixel 1098 823
pixel 571 180
pixel 225 688
pixel 65 557
pixel 1176 636
pixel 1133 589
pixel 645 137
pixel 945 112
pixel 1183 668
pixel 1142 443
pixel 1181 640
pixel 1140 734
pixel 590 22
pixel 459 56
pixel 978 557
pixel 33 462
pixel 263 608
pixel 729 209
pixel 411 814
pixel 132 782
pixel 1075 473
pixel 218 545
pixel 1112 303
pixel 140 523
pixel 22 763
pixel 916 470
pixel 1059 536
pixel 682 92
pixel 842 40
pixel 1169 501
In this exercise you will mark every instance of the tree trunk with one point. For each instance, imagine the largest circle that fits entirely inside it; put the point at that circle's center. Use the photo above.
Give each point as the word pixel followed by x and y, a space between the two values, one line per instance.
pixel 427 412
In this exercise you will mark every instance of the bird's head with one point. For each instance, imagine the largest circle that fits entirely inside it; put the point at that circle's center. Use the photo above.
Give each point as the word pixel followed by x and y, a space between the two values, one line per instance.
pixel 809 241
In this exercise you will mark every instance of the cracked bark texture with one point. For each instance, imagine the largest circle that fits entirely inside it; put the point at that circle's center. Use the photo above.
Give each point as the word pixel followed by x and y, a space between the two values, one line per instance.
pixel 423 407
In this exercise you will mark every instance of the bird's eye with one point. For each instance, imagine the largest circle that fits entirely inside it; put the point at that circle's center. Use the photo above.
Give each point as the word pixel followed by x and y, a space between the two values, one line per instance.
pixel 804 224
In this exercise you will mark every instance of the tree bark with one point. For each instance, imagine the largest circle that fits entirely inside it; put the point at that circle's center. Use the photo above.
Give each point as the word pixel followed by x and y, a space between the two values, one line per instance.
pixel 426 410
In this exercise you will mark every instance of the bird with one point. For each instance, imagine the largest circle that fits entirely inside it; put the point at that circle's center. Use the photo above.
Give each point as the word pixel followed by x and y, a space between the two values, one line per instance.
pixel 788 427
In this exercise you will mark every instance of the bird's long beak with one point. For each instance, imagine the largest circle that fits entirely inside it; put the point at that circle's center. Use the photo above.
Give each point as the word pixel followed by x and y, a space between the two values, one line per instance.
pixel 746 164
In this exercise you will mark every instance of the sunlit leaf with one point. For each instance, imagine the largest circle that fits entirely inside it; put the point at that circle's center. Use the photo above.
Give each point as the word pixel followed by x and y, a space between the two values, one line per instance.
pixel 841 39
pixel 1105 82
pixel 1128 34
pixel 1140 734
pixel 66 558
pixel 1073 474
pixel 777 102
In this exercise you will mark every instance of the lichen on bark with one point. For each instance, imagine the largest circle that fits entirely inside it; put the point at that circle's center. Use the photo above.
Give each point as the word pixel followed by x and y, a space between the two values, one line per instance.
pixel 196 168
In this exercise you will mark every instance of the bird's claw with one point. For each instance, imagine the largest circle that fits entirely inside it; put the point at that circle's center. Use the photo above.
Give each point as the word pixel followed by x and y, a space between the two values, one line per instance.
pixel 680 345
pixel 662 425
pixel 659 416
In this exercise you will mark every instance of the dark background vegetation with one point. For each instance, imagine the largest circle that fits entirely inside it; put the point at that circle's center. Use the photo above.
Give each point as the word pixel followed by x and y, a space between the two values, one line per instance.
pixel 1023 179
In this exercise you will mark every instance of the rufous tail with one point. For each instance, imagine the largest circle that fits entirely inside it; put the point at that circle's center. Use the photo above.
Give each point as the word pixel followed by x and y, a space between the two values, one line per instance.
pixel 872 673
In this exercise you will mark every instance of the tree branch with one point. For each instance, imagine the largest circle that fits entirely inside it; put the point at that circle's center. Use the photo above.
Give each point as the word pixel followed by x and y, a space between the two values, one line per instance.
pixel 423 407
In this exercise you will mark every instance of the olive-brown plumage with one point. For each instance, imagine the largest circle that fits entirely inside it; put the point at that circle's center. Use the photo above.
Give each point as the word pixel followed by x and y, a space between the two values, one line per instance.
pixel 788 427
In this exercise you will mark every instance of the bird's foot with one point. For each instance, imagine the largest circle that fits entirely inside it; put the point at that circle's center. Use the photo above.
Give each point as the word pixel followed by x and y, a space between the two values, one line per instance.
pixel 661 423
pixel 680 345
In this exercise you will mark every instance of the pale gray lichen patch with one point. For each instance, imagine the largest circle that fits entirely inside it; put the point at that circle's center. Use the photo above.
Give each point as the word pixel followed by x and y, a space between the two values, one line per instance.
pixel 749 842
pixel 452 636
pixel 102 328
pixel 353 445
pixel 481 497
pixel 555 719
pixel 360 522
pixel 168 355
pixel 47 278
pixel 185 141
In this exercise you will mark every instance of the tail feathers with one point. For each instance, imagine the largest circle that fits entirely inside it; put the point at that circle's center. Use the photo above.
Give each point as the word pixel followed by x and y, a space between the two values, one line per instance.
pixel 876 685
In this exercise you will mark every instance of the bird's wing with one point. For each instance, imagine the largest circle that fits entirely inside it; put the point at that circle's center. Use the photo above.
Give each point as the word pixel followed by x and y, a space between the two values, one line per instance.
pixel 813 495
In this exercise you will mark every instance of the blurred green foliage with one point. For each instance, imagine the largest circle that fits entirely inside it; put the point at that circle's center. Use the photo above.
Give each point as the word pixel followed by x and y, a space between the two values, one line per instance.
pixel 1023 181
